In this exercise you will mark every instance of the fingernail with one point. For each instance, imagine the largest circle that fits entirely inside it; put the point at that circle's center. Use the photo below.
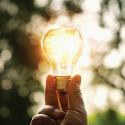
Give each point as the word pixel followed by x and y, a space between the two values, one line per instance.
pixel 50 79
pixel 58 112
pixel 78 79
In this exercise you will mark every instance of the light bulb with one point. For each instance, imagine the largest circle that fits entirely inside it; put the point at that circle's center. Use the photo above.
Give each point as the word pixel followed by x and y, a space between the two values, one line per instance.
pixel 62 46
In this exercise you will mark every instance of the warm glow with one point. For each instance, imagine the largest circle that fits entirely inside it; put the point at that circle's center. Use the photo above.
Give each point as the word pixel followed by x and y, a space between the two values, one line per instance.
pixel 62 45
pixel 96 42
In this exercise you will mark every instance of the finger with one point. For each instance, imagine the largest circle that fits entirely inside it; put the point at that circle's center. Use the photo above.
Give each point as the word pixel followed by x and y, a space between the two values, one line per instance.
pixel 52 112
pixel 42 119
pixel 63 101
pixel 75 100
pixel 50 92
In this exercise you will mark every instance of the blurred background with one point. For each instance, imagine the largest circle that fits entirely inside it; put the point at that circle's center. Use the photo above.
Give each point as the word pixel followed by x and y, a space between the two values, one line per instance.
pixel 102 65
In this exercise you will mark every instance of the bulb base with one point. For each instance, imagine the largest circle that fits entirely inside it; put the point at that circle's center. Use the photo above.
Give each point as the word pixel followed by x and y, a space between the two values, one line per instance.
pixel 61 82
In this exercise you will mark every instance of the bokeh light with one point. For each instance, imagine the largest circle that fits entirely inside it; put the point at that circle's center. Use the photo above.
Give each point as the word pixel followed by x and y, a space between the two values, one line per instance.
pixel 23 68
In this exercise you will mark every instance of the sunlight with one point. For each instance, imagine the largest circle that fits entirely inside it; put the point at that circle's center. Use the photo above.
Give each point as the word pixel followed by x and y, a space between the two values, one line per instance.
pixel 6 84
pixel 101 96
pixel 10 7
pixel 96 40
pixel 6 55
pixel 1 65
pixel 92 6
pixel 40 3
pixel 46 44
pixel 122 50
pixel 113 59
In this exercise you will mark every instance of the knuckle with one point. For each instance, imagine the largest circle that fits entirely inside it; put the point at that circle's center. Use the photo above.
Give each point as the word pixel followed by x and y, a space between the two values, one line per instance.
pixel 33 121
pixel 77 92
pixel 46 109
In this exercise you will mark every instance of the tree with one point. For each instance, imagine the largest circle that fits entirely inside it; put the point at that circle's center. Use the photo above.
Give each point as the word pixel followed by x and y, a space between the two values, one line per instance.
pixel 20 57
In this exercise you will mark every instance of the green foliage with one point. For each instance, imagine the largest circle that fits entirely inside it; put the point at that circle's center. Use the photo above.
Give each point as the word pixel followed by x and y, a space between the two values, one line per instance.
pixel 109 117
pixel 17 83
pixel 20 55
pixel 20 58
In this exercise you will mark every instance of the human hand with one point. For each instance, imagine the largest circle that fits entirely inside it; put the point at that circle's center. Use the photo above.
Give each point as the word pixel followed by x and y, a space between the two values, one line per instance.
pixel 72 104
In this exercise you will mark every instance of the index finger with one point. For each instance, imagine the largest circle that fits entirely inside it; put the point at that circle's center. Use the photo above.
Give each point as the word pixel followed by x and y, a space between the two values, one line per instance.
pixel 50 92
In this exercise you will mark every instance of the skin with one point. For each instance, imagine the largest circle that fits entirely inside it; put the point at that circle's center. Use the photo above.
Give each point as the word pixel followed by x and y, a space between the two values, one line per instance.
pixel 73 111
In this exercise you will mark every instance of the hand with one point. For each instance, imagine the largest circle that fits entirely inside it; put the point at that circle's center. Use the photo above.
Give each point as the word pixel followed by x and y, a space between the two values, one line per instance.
pixel 72 103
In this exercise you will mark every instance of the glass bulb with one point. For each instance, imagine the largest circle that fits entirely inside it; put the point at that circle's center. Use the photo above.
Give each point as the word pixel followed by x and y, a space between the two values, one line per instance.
pixel 62 46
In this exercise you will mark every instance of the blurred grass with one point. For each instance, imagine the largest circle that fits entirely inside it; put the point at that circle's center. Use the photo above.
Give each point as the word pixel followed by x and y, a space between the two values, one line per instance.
pixel 109 117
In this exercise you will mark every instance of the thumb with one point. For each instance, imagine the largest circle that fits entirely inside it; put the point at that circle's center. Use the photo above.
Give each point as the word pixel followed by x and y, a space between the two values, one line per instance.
pixel 75 100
